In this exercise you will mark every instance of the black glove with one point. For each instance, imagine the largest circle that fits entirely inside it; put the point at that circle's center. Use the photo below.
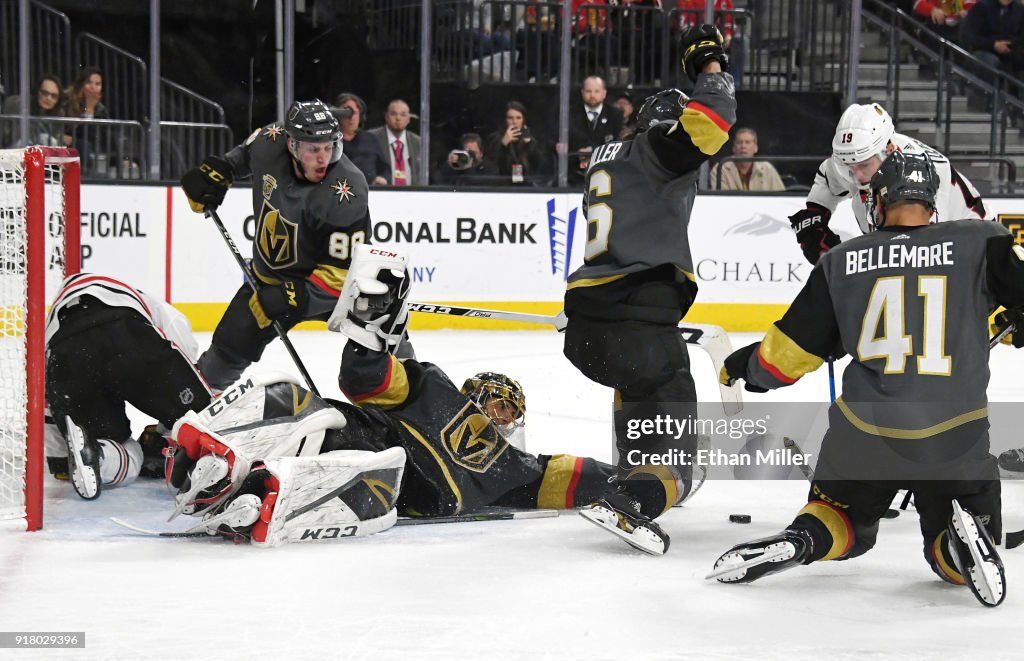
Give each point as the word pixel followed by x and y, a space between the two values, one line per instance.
pixel 1002 320
pixel 206 185
pixel 812 232
pixel 736 368
pixel 271 303
pixel 699 44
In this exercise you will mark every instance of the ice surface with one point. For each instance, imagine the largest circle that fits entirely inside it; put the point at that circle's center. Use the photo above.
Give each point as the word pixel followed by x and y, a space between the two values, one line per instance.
pixel 542 589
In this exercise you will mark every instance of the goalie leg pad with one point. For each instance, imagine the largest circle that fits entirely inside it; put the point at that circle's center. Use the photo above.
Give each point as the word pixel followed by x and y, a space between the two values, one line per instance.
pixel 346 493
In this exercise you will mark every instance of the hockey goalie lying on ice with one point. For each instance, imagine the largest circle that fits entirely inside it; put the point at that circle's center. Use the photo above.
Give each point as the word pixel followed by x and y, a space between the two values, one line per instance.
pixel 271 462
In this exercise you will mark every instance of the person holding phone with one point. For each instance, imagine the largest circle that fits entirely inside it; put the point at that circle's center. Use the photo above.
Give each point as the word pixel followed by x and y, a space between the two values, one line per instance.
pixel 516 151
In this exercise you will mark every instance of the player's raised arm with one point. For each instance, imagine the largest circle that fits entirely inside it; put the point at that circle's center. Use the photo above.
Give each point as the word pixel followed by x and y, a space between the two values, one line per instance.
pixel 698 126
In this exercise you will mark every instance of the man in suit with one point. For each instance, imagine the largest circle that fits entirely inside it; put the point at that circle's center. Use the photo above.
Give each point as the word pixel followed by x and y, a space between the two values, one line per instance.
pixel 590 126
pixel 402 146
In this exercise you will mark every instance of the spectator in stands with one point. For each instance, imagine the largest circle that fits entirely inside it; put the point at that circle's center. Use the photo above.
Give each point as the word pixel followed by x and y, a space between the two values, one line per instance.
pixel 591 124
pixel 362 149
pixel 45 103
pixel 84 99
pixel 401 145
pixel 624 103
pixel 516 151
pixel 537 43
pixel 992 29
pixel 943 17
pixel 467 166
pixel 693 14
pixel 637 27
pixel 743 175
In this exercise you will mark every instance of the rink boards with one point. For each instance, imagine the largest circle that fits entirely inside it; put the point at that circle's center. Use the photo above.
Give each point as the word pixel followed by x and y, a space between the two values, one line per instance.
pixel 511 251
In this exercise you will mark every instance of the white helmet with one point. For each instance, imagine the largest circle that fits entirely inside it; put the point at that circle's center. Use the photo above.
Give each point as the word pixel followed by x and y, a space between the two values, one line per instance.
pixel 863 131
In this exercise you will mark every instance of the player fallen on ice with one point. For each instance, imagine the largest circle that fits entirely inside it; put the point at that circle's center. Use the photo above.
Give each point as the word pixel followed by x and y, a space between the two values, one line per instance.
pixel 412 442
pixel 624 304
pixel 864 137
pixel 108 344
pixel 909 302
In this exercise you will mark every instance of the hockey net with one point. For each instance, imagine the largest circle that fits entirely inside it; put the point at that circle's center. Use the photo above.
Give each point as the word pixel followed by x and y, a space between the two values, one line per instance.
pixel 39 245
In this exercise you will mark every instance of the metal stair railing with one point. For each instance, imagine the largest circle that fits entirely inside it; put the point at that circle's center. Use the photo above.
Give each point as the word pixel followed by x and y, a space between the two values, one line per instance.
pixel 50 45
pixel 953 63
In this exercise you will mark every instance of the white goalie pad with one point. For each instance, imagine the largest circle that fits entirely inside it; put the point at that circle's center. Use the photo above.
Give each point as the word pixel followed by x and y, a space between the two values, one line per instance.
pixel 362 283
pixel 256 420
pixel 337 495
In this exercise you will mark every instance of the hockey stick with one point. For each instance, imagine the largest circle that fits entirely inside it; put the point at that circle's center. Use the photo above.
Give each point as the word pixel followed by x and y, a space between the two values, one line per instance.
pixel 808 472
pixel 481 516
pixel 250 277
pixel 996 339
pixel 157 533
pixel 712 339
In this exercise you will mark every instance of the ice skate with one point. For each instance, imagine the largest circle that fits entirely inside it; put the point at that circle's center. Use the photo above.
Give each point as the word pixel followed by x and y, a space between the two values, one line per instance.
pixel 747 562
pixel 620 514
pixel 976 557
pixel 84 456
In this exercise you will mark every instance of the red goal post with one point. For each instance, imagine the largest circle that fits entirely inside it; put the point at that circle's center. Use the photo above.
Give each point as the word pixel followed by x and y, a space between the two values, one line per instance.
pixel 39 245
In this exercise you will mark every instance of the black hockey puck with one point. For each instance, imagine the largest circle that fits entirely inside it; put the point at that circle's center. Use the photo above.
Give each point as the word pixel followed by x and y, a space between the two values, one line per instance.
pixel 739 518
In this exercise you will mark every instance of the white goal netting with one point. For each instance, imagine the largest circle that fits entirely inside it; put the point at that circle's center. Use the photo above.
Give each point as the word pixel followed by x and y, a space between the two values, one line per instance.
pixel 23 222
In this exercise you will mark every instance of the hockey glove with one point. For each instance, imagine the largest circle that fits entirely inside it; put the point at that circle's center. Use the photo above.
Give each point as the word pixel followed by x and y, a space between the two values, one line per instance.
pixel 699 44
pixel 206 185
pixel 1004 319
pixel 812 232
pixel 278 301
pixel 736 368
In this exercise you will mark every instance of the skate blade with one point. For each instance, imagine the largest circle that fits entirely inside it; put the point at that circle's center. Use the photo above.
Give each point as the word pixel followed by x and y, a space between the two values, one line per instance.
pixel 85 479
pixel 724 572
pixel 986 578
pixel 608 520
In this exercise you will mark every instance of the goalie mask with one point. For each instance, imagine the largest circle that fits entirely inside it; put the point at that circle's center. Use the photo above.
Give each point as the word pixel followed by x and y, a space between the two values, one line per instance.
pixel 500 398
pixel 665 106
pixel 312 122
pixel 902 178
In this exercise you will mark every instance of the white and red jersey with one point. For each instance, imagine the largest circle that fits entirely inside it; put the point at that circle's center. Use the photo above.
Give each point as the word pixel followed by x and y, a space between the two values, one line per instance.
pixel 957 198
pixel 166 320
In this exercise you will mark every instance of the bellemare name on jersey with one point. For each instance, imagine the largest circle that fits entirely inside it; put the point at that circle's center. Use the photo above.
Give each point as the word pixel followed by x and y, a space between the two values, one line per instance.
pixel 899 255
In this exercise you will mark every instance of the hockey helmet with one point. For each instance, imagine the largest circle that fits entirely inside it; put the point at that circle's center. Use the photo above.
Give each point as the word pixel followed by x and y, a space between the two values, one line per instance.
pixel 863 131
pixel 664 106
pixel 903 177
pixel 312 121
pixel 487 386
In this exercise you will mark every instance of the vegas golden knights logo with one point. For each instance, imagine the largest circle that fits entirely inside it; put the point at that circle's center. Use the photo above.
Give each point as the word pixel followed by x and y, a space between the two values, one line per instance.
pixel 471 440
pixel 1015 223
pixel 277 238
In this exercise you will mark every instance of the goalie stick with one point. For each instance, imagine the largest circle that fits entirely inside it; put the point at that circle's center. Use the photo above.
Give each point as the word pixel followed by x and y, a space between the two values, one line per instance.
pixel 497 515
pixel 712 339
pixel 250 278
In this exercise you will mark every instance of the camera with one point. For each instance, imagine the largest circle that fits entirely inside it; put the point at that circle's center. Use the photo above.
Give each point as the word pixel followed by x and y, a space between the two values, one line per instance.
pixel 462 160
pixel 524 133
pixel 342 112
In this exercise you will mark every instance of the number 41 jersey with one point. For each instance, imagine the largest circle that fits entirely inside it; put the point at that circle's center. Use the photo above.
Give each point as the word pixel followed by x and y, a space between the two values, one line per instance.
pixel 910 305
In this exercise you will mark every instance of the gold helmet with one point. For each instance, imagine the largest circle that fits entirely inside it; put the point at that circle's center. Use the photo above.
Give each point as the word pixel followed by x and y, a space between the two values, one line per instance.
pixel 486 387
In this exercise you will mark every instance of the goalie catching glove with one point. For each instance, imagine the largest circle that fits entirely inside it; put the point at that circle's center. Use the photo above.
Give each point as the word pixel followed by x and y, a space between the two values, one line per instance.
pixel 271 303
pixel 812 232
pixel 371 309
pixel 701 44
pixel 206 185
